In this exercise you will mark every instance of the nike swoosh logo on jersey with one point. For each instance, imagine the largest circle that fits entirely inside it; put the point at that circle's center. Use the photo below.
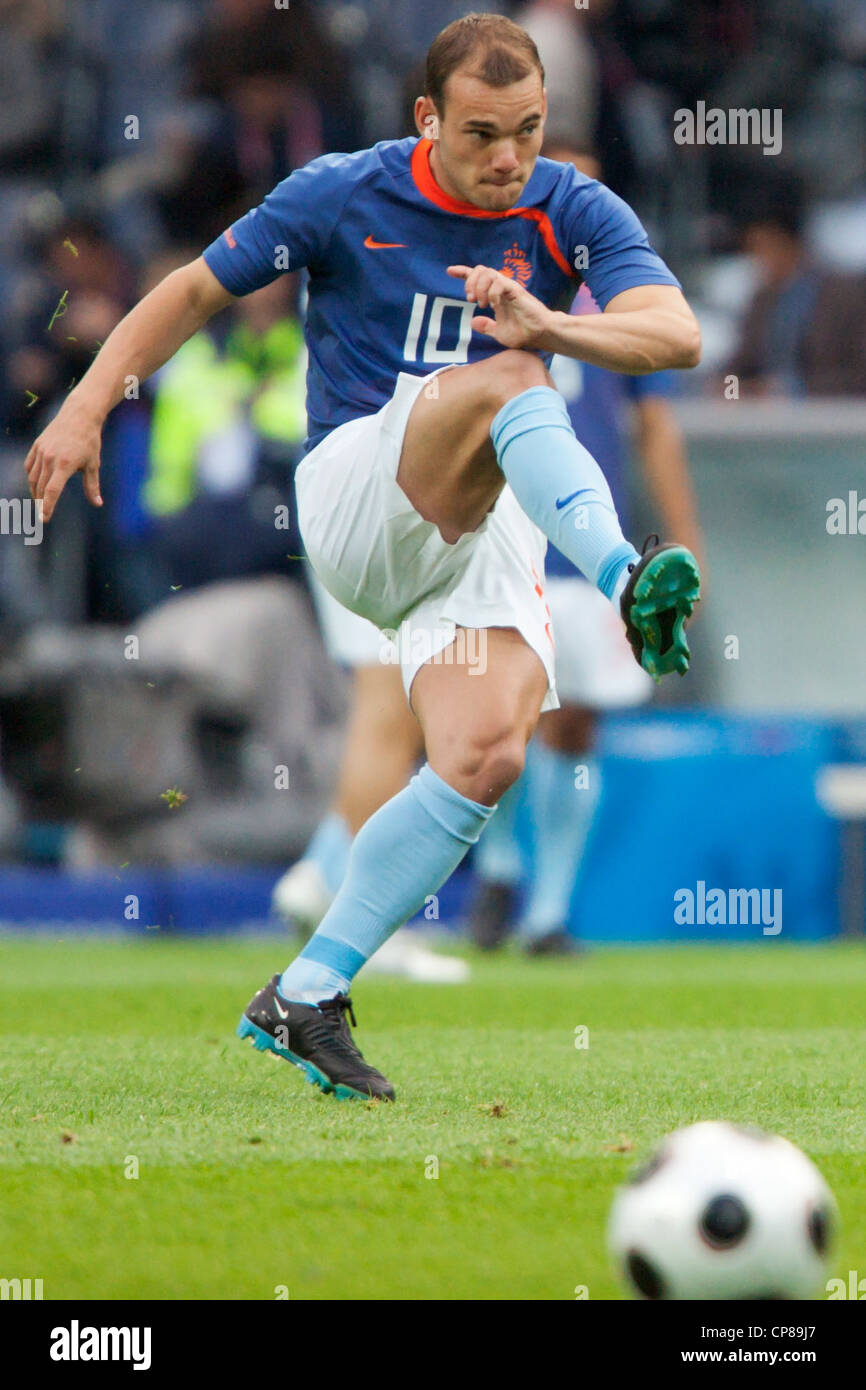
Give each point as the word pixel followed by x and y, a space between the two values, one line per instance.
pixel 564 501
pixel 382 245
pixel 283 1013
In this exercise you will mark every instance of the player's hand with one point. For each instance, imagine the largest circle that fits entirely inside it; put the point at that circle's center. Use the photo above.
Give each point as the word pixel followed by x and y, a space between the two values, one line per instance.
pixel 521 320
pixel 69 444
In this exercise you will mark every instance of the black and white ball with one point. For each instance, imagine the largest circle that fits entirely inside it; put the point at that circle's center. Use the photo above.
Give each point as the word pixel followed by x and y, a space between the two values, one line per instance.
pixel 721 1211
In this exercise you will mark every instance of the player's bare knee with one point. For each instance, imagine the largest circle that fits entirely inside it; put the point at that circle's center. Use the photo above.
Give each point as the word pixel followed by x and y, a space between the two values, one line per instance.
pixel 499 773
pixel 512 372
pixel 490 768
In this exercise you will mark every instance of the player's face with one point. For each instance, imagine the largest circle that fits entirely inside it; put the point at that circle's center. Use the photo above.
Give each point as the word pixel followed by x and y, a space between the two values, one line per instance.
pixel 488 138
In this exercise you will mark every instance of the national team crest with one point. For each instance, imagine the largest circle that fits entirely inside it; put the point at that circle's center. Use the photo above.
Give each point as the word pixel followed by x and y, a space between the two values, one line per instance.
pixel 517 265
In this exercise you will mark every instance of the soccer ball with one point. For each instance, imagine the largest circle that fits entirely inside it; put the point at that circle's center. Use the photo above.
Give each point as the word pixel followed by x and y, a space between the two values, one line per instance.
pixel 722 1211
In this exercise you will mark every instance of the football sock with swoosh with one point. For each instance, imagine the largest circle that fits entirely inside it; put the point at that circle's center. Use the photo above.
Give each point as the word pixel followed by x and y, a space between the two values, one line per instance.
pixel 561 487
pixel 401 855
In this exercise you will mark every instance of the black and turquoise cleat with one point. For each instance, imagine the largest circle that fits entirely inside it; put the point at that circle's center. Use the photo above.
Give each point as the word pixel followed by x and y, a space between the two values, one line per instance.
pixel 663 588
pixel 315 1038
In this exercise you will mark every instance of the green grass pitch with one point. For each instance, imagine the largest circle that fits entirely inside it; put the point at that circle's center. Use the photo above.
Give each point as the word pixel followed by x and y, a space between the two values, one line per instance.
pixel 251 1184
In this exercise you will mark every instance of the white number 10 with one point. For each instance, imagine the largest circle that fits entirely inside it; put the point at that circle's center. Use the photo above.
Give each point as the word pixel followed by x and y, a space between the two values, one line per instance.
pixel 432 352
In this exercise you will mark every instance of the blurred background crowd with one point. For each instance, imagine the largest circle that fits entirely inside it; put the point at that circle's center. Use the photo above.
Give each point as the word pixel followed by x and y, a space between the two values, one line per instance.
pixel 130 137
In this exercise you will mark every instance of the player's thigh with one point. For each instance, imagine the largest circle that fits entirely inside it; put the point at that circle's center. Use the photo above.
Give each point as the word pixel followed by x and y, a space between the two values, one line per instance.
pixel 448 467
pixel 478 716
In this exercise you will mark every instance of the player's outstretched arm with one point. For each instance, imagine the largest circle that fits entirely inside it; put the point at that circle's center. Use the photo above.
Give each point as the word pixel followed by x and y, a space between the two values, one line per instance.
pixel 645 329
pixel 147 337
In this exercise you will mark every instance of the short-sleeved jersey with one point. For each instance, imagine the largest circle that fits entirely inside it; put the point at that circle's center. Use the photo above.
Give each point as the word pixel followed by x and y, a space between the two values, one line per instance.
pixel 376 233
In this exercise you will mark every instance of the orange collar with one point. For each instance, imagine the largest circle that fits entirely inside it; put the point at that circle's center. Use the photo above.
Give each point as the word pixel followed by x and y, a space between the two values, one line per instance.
pixel 425 181
pixel 426 184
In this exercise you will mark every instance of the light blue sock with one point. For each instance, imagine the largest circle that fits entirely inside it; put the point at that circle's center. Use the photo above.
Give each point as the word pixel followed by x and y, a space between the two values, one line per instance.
pixel 561 487
pixel 403 853
pixel 562 813
pixel 498 858
pixel 329 849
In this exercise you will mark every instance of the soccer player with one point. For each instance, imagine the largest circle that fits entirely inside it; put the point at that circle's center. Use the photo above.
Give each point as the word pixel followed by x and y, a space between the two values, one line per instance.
pixel 440 457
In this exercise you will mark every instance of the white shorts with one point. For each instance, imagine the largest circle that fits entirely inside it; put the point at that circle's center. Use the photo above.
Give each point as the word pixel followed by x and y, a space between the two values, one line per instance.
pixel 595 666
pixel 379 558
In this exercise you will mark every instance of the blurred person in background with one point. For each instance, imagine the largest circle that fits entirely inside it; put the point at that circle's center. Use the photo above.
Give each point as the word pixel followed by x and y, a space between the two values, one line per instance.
pixel 227 427
pixel 283 94
pixel 31 68
pixel 199 483
pixel 64 307
pixel 562 38
pixel 595 671
pixel 202 455
pixel 73 286
pixel 260 93
pixel 804 331
pixel 744 53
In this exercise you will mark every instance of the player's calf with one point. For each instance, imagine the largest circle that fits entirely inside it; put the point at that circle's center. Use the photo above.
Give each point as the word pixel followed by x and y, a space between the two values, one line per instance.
pixel 483 771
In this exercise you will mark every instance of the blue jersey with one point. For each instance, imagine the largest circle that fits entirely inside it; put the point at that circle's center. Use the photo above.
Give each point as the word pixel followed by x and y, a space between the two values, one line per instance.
pixel 598 403
pixel 376 233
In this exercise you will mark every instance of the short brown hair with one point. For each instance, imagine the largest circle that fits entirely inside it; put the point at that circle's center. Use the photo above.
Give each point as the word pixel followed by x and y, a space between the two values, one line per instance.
pixel 505 52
